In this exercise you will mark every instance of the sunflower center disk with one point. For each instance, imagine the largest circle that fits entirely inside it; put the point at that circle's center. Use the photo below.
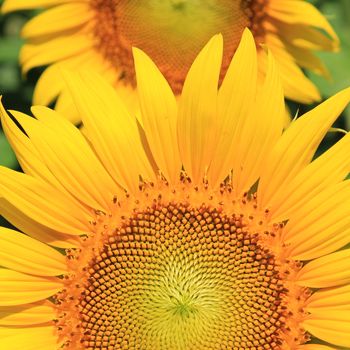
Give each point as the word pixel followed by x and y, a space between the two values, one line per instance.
pixel 171 32
pixel 175 277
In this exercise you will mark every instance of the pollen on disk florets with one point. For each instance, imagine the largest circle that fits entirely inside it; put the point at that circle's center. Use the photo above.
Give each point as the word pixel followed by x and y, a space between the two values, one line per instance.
pixel 181 269
pixel 171 32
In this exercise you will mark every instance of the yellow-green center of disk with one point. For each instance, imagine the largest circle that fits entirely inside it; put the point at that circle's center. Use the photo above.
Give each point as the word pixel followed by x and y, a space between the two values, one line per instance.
pixel 171 32
pixel 176 277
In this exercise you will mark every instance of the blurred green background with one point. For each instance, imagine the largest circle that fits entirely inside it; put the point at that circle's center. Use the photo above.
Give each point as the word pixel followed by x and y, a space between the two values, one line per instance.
pixel 17 90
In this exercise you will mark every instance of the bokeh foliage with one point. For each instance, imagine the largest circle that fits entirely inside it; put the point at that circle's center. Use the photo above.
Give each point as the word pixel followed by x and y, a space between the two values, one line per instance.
pixel 338 64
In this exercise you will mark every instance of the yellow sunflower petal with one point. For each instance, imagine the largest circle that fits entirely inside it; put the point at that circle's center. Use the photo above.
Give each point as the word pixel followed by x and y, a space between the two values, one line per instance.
pixel 328 169
pixel 27 155
pixel 129 97
pixel 295 84
pixel 29 314
pixel 48 85
pixel 34 198
pixel 296 148
pixel 34 229
pixel 113 134
pixel 14 5
pixel 159 115
pixel 66 107
pixel 24 254
pixel 331 326
pixel 29 338
pixel 69 157
pixel 33 55
pixel 328 271
pixel 306 37
pixel 325 228
pixel 51 81
pixel 260 135
pixel 17 288
pixel 58 19
pixel 314 347
pixel 301 12
pixel 236 96
pixel 197 110
pixel 333 298
pixel 308 60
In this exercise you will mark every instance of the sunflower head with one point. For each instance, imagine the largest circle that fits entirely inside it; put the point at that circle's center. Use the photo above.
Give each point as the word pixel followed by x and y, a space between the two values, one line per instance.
pixel 100 34
pixel 172 32
pixel 201 225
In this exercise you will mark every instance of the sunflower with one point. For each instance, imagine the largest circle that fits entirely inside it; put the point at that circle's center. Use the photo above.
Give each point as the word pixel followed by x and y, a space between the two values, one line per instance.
pixel 100 34
pixel 207 227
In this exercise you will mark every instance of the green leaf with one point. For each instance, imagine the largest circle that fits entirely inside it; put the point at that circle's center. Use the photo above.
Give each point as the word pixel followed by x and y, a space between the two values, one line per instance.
pixel 9 77
pixel 7 156
pixel 9 49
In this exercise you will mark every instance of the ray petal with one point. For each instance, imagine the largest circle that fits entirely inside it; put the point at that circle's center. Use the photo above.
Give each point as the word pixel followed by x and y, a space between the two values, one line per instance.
pixel 51 82
pixel 24 254
pixel 328 271
pixel 34 198
pixel 57 19
pixel 197 110
pixel 330 299
pixel 14 5
pixel 17 288
pixel 296 147
pixel 27 155
pixel 301 12
pixel 321 225
pixel 29 314
pixel 35 230
pixel 159 115
pixel 295 84
pixel 330 326
pixel 41 337
pixel 259 135
pixel 34 55
pixel 236 96
pixel 328 169
pixel 69 157
pixel 111 128
pixel 314 347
